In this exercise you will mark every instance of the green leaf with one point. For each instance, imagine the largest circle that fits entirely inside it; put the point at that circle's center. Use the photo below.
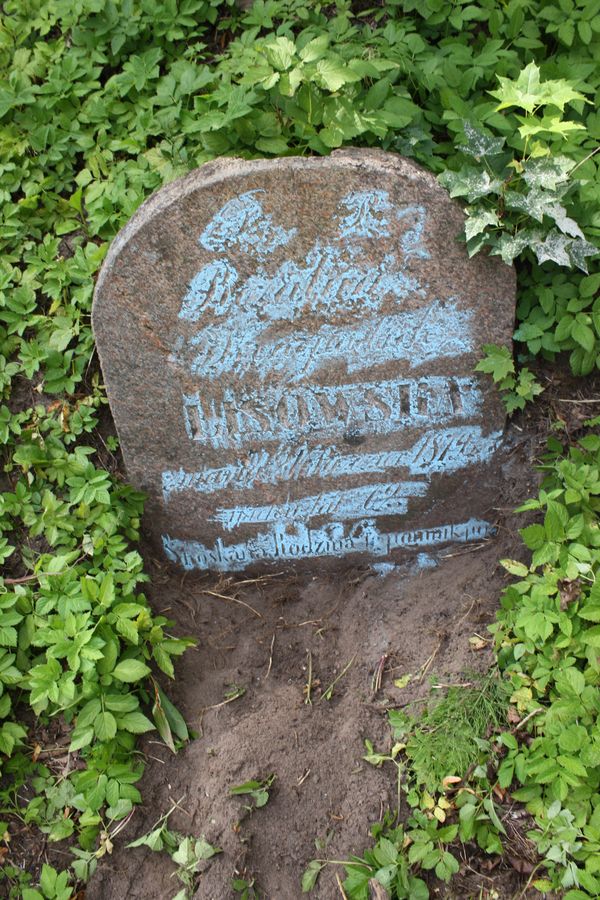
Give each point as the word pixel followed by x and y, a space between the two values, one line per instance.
pixel 515 567
pixel 498 362
pixel 333 74
pixel 130 670
pixel 315 49
pixel 584 335
pixel 135 722
pixel 310 875
pixel 163 727
pixel 280 52
pixel 385 852
pixel 105 726
pixel 470 182
pixel 174 717
pixel 534 536
pixel 48 880
pixel 528 92
pixel 480 143
pixel 572 765
pixel 478 220
pixel 153 840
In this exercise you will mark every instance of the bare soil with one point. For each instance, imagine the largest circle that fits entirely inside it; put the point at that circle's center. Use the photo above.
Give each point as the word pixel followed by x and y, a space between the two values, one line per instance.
pixel 262 635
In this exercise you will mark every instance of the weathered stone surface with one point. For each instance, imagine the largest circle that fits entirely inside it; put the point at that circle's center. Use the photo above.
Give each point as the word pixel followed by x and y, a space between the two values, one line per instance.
pixel 288 348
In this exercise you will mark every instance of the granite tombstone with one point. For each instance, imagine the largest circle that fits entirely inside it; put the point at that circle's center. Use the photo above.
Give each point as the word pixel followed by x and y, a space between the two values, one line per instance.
pixel 288 347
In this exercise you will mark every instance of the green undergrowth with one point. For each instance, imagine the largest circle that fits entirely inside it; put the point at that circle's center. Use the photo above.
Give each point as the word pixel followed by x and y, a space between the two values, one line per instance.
pixel 102 102
pixel 526 735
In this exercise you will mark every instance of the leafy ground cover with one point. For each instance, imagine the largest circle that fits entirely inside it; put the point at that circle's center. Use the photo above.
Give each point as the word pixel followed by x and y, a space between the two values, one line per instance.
pixel 100 104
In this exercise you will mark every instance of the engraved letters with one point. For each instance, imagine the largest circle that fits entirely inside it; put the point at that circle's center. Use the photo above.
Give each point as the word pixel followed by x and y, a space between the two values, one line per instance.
pixel 290 407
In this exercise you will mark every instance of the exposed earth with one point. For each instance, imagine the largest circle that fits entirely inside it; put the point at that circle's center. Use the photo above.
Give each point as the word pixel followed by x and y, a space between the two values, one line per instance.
pixel 262 635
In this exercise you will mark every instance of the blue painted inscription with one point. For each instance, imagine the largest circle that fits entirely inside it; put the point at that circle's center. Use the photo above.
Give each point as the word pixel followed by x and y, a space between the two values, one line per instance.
pixel 436 331
pixel 282 318
pixel 446 450
pixel 244 223
pixel 281 414
pixel 284 542
pixel 355 503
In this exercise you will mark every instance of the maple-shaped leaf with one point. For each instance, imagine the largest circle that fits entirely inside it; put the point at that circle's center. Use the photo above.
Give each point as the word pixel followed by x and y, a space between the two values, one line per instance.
pixel 553 249
pixel 480 143
pixel 525 92
pixel 548 173
pixel 566 224
pixel 498 362
pixel 478 221
pixel 549 125
pixel 564 250
pixel 537 203
pixel 510 245
pixel 578 251
pixel 528 92
pixel 469 182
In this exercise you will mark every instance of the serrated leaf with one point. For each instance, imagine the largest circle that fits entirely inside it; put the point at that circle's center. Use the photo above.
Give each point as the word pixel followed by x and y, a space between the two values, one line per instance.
pixel 548 173
pixel 554 248
pixel 204 850
pixel 135 722
pixel 469 182
pixel 478 220
pixel 528 92
pixel 105 726
pixel 534 536
pixel 130 670
pixel 333 73
pixel 509 246
pixel 315 49
pixel 81 738
pixel 280 52
pixel 584 335
pixel 497 362
pixel 480 143
pixel 310 875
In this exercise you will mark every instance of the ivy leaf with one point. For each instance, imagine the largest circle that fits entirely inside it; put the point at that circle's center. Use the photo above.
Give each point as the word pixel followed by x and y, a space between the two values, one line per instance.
pixel 564 222
pixel 510 246
pixel 561 249
pixel 579 250
pixel 469 182
pixel 548 172
pixel 478 220
pixel 536 203
pixel 480 143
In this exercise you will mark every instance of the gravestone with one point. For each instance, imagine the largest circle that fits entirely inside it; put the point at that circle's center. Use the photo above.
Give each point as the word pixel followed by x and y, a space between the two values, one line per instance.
pixel 288 347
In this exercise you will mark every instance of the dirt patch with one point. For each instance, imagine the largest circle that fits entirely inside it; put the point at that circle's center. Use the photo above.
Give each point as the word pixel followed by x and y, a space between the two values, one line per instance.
pixel 263 636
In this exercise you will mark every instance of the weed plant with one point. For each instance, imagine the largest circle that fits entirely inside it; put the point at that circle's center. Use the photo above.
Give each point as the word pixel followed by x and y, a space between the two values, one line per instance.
pixel 448 737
